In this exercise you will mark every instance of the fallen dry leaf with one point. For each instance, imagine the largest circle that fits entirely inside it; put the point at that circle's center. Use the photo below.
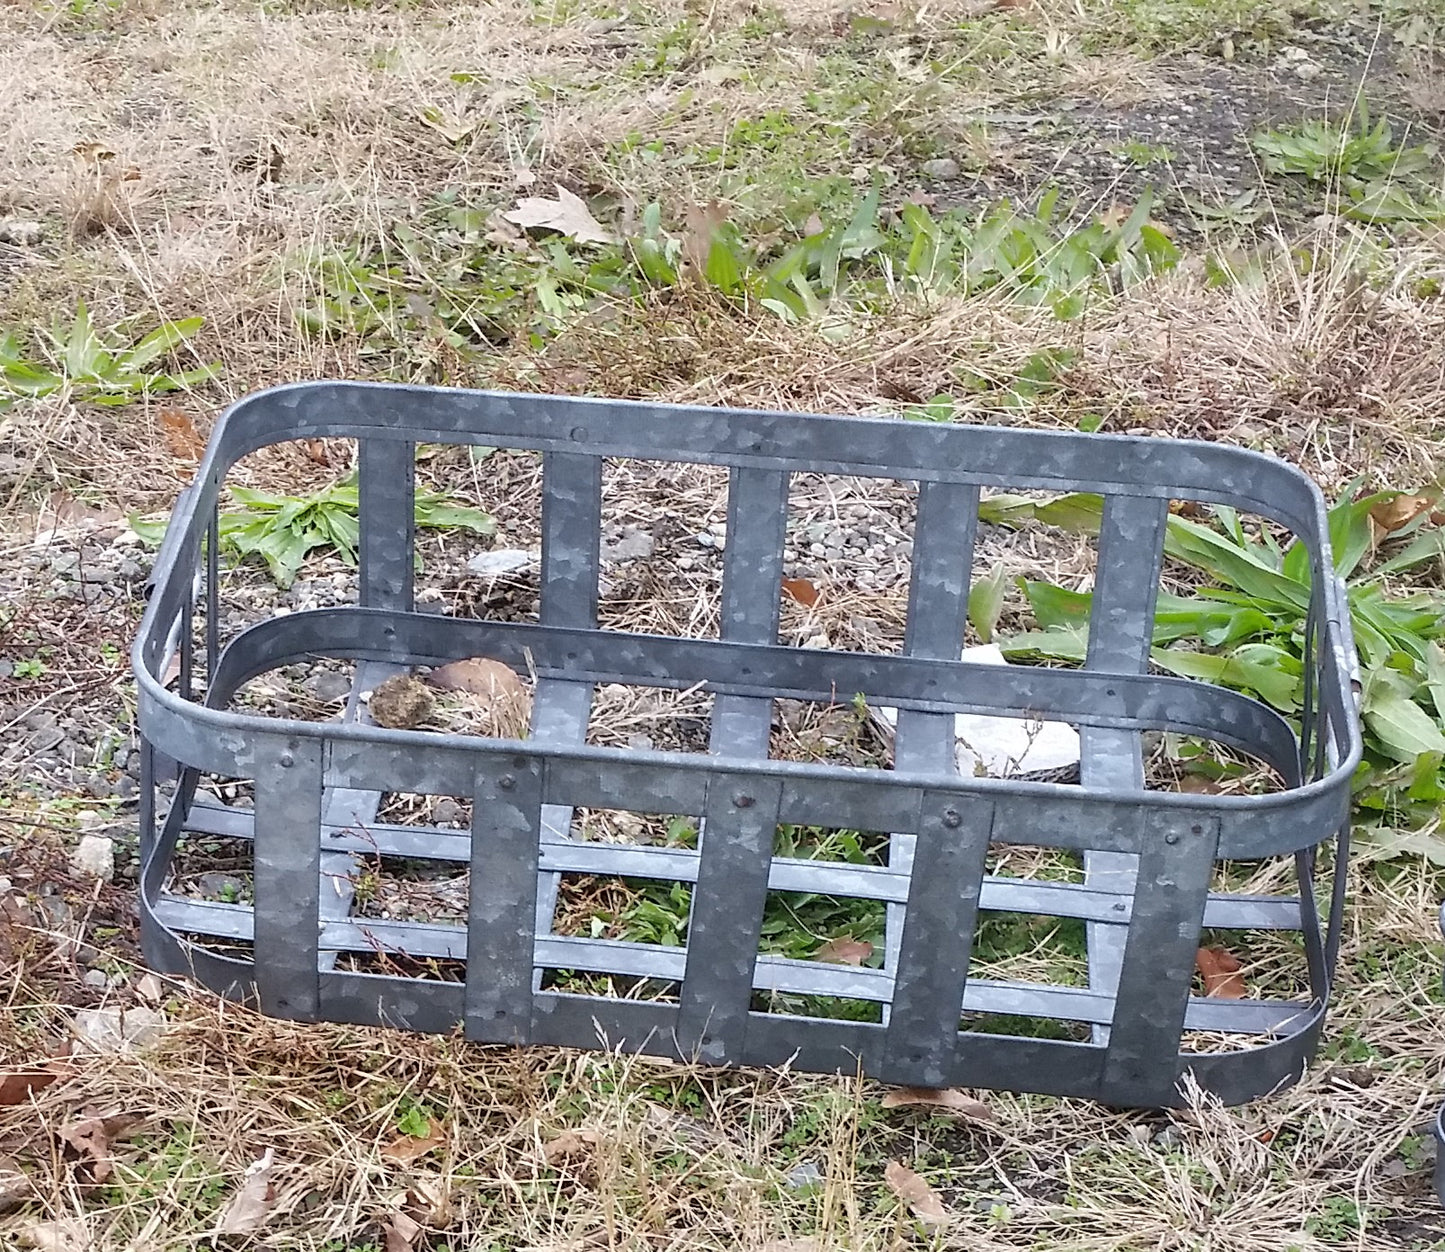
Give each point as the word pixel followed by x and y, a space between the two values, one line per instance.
pixel 183 440
pixel 497 698
pixel 453 130
pixel 316 451
pixel 801 590
pixel 401 1233
pixel 813 226
pixel 1199 785
pixel 405 1149
pixel 700 225
pixel 92 1137
pixel 17 1085
pixel 247 1210
pixel 479 676
pixel 844 951
pixel 92 153
pixel 567 215
pixel 950 1098
pixel 1392 515
pixel 427 1196
pixel 1221 972
pixel 14 1185
pixel 914 1192
pixel 568 1144
pixel 64 1235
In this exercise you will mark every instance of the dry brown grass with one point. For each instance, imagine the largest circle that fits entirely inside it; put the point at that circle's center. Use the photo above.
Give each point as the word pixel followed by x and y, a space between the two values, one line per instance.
pixel 260 135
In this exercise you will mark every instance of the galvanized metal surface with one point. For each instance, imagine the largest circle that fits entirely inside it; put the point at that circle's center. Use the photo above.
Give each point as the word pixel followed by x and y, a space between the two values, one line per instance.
pixel 1149 855
pixel 1440 1119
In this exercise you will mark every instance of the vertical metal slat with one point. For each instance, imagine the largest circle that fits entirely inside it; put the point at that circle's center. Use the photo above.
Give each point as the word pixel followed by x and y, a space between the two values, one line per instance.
pixel 287 879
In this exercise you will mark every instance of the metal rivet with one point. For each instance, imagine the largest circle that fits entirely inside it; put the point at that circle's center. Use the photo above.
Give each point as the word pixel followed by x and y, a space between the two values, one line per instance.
pixel 579 433
pixel 506 782
pixel 743 801
pixel 951 819
pixel 287 760
pixel 1171 838
pixel 1196 830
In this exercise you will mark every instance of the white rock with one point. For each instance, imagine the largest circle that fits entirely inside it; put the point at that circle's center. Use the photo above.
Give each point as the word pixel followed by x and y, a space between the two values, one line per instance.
pixel 20 231
pixel 117 1029
pixel 1001 747
pixel 501 561
pixel 94 856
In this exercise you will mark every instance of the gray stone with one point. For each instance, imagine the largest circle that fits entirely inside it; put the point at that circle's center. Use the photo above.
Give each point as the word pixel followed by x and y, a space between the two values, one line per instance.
pixel 96 978
pixel 631 545
pixel 94 856
pixel 57 912
pixel 1168 1136
pixel 501 561
pixel 941 167
pixel 218 886
pixel 327 686
pixel 446 810
pixel 118 1030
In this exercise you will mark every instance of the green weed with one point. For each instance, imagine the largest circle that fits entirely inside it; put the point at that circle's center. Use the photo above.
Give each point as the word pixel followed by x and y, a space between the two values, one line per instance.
pixel 1373 178
pixel 284 530
pixel 171 1172
pixel 1245 628
pixel 454 279
pixel 77 359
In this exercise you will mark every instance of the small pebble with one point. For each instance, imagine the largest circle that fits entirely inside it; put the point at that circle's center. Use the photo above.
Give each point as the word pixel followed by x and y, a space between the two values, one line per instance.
pixel 94 856
pixel 803 1175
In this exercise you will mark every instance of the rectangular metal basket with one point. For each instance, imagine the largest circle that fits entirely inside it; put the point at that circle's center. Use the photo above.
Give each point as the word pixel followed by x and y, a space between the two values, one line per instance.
pixel 1150 858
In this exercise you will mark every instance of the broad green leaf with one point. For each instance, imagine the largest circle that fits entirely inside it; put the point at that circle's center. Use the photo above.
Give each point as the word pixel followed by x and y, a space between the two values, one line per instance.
pixel 1006 510
pixel 1400 726
pixel 1386 843
pixel 285 550
pixel 151 530
pixel 1426 784
pixel 255 500
pixel 1063 643
pixel 1243 568
pixel 1053 605
pixel 1426 546
pixel 721 268
pixel 1259 674
pixel 441 515
pixel 985 602
pixel 83 355
pixel 1350 534
pixel 1079 513
pixel 160 341
pixel 1435 677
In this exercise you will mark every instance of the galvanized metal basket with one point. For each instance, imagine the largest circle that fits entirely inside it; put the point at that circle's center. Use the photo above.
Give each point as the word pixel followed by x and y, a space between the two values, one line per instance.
pixel 1149 856
pixel 1440 1119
